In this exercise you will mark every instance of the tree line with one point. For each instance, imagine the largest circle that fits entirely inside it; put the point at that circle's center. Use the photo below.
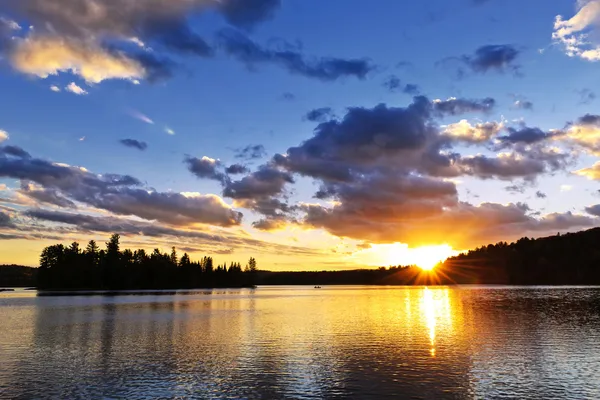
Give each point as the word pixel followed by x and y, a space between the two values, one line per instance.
pixel 70 267
pixel 568 259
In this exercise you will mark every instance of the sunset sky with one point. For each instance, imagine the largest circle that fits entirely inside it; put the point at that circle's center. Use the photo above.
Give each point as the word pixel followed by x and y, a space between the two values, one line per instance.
pixel 309 134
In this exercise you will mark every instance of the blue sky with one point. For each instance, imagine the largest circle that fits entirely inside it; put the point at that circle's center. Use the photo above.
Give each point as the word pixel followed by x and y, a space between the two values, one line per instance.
pixel 219 103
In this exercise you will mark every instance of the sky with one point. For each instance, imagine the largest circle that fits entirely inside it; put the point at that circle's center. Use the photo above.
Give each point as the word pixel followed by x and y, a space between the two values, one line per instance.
pixel 309 134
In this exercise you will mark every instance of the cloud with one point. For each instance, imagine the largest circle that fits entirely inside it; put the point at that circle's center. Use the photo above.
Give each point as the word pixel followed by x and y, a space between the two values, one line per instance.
pixel 118 39
pixel 246 13
pixel 142 117
pixel 73 88
pixel 455 106
pixel 523 105
pixel 525 135
pixel 236 169
pixel 498 58
pixel 593 210
pixel 3 136
pixel 481 224
pixel 592 172
pixel 265 182
pixel 119 194
pixel 44 56
pixel 169 131
pixel 55 88
pixel 540 195
pixel 585 133
pixel 586 96
pixel 45 196
pixel 394 84
pixel 319 114
pixel 385 174
pixel 14 151
pixel 5 220
pixel 84 223
pixel 574 34
pixel 504 166
pixel 251 152
pixel 478 133
pixel 492 57
pixel 290 58
pixel 205 167
pixel 136 144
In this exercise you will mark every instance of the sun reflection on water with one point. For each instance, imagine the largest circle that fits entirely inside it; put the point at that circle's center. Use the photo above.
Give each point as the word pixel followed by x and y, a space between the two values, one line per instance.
pixel 435 308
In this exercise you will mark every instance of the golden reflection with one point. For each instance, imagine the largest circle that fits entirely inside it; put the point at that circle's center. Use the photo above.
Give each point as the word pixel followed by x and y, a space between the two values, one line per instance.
pixel 435 308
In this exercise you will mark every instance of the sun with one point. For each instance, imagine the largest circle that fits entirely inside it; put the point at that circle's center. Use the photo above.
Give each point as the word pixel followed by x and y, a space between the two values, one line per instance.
pixel 427 257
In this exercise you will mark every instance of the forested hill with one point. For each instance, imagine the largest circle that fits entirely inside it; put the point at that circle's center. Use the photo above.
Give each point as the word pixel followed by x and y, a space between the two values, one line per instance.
pixel 17 276
pixel 569 259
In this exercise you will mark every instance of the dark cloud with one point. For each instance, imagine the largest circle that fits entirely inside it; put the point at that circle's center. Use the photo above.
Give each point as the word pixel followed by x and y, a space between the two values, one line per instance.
pixel 244 49
pixel 586 96
pixel 236 169
pixel 270 224
pixel 251 152
pixel 499 58
pixel 411 88
pixel 156 68
pixel 593 210
pixel 176 35
pixel 493 57
pixel 246 13
pixel 540 195
pixel 205 168
pixel 5 220
pixel 515 189
pixel 120 194
pixel 14 151
pixel 455 106
pixel 524 135
pixel 394 84
pixel 589 119
pixel 319 114
pixel 505 167
pixel 265 182
pixel 46 196
pixel 136 144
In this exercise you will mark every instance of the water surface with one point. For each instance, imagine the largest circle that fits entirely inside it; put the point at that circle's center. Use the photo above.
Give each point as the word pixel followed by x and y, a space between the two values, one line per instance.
pixel 286 342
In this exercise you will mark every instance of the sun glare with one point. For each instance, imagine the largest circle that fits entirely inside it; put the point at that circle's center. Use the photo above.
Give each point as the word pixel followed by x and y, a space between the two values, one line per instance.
pixel 426 257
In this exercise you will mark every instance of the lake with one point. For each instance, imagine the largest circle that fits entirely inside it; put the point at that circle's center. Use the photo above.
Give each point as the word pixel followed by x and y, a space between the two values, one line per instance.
pixel 298 342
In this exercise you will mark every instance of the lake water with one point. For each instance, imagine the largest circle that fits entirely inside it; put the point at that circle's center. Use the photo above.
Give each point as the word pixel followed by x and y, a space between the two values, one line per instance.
pixel 285 342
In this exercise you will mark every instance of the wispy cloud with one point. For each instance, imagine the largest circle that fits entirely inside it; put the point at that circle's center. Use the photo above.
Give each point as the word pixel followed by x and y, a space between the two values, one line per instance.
pixel 169 131
pixel 140 116
pixel 574 33
pixel 55 88
pixel 74 88
pixel 3 136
